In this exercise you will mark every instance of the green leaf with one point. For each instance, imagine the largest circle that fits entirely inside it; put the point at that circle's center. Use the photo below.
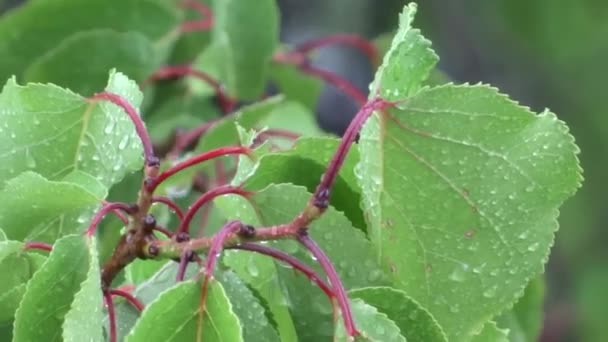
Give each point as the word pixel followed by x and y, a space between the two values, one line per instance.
pixel 260 273
pixel 17 267
pixel 54 131
pixel 296 85
pixel 83 320
pixel 225 132
pixel 246 33
pixel 407 63
pixel 72 65
pixel 345 245
pixel 35 208
pixel 294 117
pixel 414 321
pixel 525 320
pixel 24 39
pixel 303 165
pixel 51 290
pixel 491 333
pixel 372 325
pixel 174 316
pixel 247 308
pixel 465 209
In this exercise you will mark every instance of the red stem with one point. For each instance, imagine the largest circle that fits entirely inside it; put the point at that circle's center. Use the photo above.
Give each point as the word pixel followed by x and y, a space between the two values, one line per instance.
pixel 220 173
pixel 214 251
pixel 105 209
pixel 140 127
pixel 206 197
pixel 322 192
pixel 183 140
pixel 38 245
pixel 334 280
pixel 281 133
pixel 171 204
pixel 118 214
pixel 218 152
pixel 226 102
pixel 291 261
pixel 353 40
pixel 339 82
pixel 205 23
pixel 137 304
pixel 107 297
pixel 183 265
pixel 166 232
pixel 203 220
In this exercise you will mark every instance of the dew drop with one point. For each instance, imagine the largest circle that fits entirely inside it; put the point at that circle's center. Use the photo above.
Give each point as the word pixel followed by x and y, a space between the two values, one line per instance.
pixel 123 142
pixel 533 247
pixel 30 162
pixel 109 127
pixel 374 275
pixel 489 293
pixel 252 268
pixel 459 274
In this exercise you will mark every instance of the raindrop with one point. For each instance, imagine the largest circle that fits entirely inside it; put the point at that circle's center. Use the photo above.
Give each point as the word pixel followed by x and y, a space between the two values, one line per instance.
pixel 374 275
pixel 30 162
pixel 109 127
pixel 533 247
pixel 290 246
pixel 523 235
pixel 491 292
pixel 459 274
pixel 177 192
pixel 123 142
pixel 252 268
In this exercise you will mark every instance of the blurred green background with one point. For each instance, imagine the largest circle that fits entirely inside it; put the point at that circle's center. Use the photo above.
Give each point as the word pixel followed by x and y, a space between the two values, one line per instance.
pixel 543 53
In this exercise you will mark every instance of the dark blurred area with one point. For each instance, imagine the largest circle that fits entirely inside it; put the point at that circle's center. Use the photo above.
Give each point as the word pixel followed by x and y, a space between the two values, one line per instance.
pixel 543 53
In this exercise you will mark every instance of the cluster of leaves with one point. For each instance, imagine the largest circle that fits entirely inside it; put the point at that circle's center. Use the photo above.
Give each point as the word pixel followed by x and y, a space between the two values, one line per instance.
pixel 440 218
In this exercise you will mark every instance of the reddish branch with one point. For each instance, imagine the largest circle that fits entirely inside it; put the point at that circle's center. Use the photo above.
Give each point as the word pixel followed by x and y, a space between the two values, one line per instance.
pixel 136 303
pixel 166 232
pixel 278 133
pixel 183 140
pixel 105 209
pixel 140 241
pixel 291 261
pixel 334 280
pixel 217 245
pixel 321 195
pixel 339 82
pixel 140 127
pixel 227 103
pixel 203 24
pixel 169 203
pixel 218 152
pixel 38 245
pixel 204 199
pixel 107 297
pixel 353 40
